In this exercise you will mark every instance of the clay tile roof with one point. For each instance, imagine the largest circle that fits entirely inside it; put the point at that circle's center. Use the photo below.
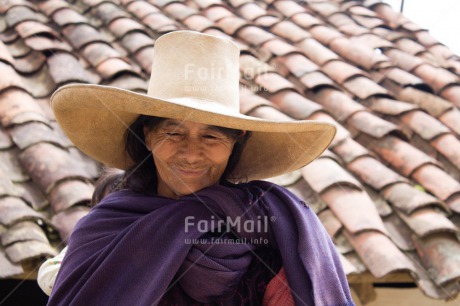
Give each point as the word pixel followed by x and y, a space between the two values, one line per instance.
pixel 387 190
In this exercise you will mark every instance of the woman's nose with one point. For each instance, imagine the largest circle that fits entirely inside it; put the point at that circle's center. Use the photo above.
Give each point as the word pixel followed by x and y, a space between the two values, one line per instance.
pixel 192 150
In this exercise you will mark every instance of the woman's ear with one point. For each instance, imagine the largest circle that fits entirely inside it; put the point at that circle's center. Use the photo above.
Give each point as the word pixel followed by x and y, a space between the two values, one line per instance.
pixel 147 137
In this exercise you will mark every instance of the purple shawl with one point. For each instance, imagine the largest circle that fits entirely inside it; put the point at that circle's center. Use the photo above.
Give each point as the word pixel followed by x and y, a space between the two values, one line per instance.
pixel 131 247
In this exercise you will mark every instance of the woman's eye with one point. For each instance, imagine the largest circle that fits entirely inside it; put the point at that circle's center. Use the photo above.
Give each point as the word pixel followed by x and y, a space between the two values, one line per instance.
pixel 174 135
pixel 210 137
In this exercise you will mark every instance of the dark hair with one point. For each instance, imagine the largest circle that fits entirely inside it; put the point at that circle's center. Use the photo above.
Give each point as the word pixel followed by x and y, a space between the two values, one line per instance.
pixel 141 177
pixel 111 179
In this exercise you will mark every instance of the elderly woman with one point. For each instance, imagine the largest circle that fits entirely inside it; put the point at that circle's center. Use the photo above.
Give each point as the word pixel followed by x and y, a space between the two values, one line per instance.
pixel 189 224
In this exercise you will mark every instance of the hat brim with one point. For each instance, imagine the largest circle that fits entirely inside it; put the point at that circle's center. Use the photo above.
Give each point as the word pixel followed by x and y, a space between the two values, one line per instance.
pixel 95 119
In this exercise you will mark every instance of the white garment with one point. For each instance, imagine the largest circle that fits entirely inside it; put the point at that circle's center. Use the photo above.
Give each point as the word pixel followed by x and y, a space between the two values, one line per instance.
pixel 48 272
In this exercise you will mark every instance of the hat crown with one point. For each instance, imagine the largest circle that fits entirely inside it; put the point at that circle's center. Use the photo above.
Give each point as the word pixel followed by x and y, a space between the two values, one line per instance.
pixel 191 65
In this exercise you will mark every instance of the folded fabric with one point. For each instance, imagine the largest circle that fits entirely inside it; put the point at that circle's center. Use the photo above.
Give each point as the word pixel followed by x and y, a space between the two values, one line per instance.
pixel 48 272
pixel 131 246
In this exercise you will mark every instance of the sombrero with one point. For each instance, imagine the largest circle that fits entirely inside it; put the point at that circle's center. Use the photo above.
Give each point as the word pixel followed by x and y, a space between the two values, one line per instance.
pixel 195 77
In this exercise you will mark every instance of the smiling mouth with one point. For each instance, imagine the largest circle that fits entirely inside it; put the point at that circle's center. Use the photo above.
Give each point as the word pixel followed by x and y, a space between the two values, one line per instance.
pixel 189 172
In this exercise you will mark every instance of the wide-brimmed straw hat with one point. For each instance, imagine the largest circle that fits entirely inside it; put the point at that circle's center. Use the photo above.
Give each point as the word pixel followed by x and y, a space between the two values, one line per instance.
pixel 195 77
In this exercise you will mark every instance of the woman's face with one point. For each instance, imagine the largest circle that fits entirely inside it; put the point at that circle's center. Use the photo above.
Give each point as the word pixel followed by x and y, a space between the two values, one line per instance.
pixel 188 156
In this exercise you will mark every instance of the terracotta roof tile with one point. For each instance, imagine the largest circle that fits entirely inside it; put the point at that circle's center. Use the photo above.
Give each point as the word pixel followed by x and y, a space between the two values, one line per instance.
pixel 40 84
pixel 364 88
pixel 108 12
pixel 198 23
pixel 215 13
pixel 98 52
pixel 349 150
pixel 403 78
pixel 251 11
pixel 324 173
pixel 340 19
pixel 374 173
pixel 65 221
pixel 135 41
pixel 399 232
pixel 290 31
pixel 324 34
pixel 330 222
pixel 439 254
pixel 425 38
pixel 82 34
pixel 10 165
pixel 452 93
pixel 9 269
pixel 113 67
pixel 324 8
pixel 67 16
pixel 409 199
pixel 19 14
pixel 379 253
pixel 18 48
pixel 17 104
pixel 250 101
pixel 360 55
pixel 339 105
pixel 341 71
pixel 27 250
pixel 23 231
pixel 368 21
pixel 144 57
pixel 5 56
pixel 315 51
pixel 15 210
pixel 370 124
pixel 129 82
pixel 315 80
pixel 424 125
pixel 304 19
pixel 31 133
pixel 268 113
pixel 70 193
pixel 354 209
pixel 436 181
pixel 294 104
pixel 13 79
pixel 434 105
pixel 451 119
pixel 306 193
pixel 402 59
pixel 120 27
pixel 30 193
pixel 141 9
pixel 30 28
pixel 5 140
pixel 179 11
pixel 160 23
pixel 65 68
pixel 428 221
pixel 389 106
pixel 50 7
pixel 207 3
pixel 437 78
pixel 252 35
pixel 400 155
pixel 273 82
pixel 30 63
pixel 40 43
pixel 297 64
pixel 288 8
pixel 48 164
